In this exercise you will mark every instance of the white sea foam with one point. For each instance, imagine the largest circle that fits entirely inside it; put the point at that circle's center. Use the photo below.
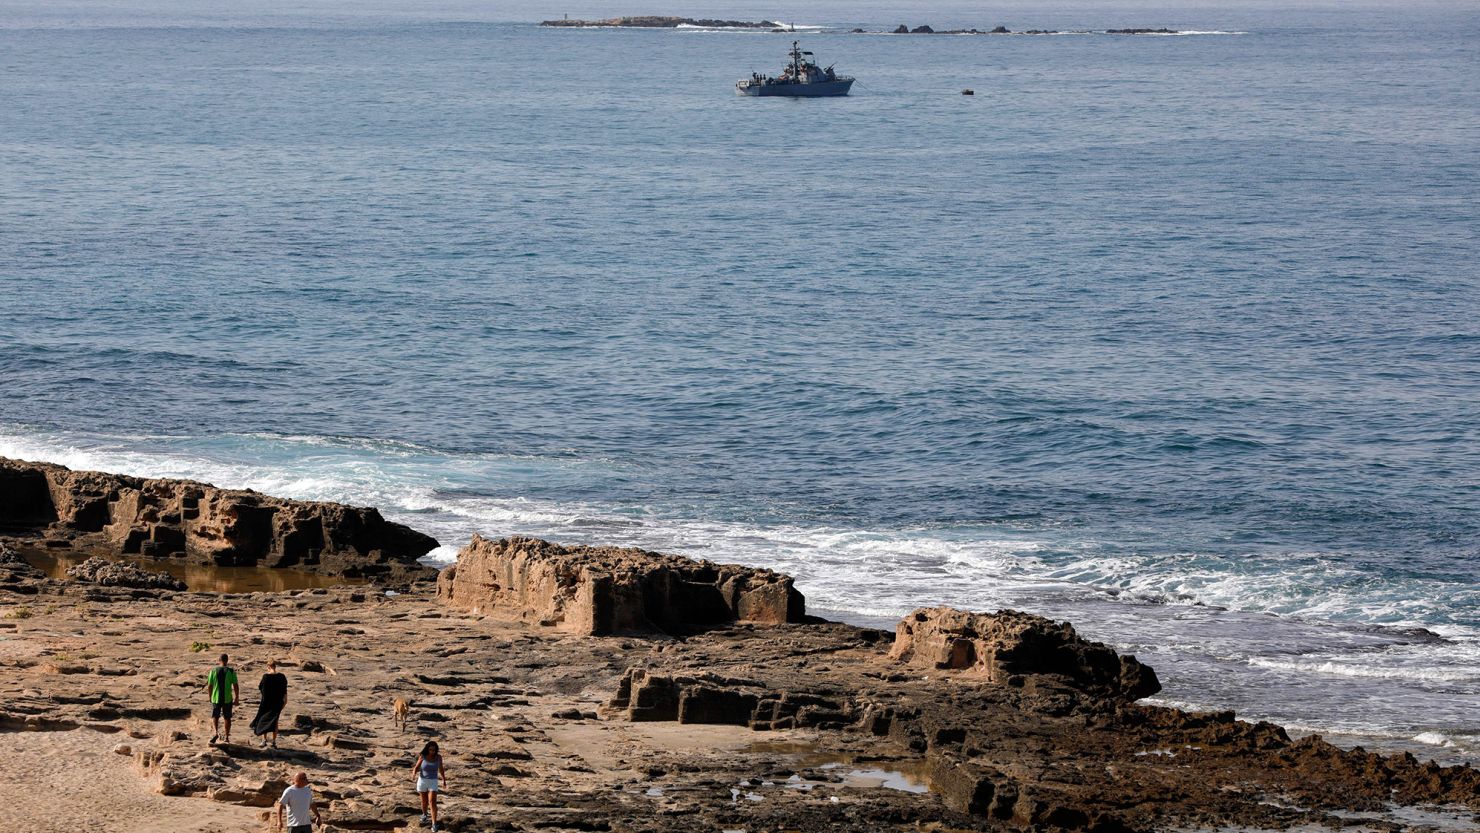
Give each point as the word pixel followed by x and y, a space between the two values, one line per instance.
pixel 1352 668
pixel 799 27
pixel 1304 585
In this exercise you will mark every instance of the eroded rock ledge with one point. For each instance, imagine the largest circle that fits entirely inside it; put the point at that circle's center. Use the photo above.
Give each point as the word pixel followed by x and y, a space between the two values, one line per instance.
pixel 55 506
pixel 609 590
pixel 1009 648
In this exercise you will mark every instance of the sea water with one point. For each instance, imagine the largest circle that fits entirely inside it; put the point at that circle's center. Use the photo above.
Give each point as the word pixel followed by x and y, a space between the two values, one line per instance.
pixel 1177 338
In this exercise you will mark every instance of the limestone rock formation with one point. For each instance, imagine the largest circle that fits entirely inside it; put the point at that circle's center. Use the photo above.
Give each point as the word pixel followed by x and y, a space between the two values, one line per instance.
pixel 119 574
pixel 645 695
pixel 203 524
pixel 1006 646
pixel 605 590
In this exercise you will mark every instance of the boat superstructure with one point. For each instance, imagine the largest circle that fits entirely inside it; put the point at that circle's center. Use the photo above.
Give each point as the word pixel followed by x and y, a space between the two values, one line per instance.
pixel 802 78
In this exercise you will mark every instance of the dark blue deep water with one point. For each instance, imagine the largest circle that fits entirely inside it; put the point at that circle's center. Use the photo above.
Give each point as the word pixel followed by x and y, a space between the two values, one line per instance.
pixel 1177 337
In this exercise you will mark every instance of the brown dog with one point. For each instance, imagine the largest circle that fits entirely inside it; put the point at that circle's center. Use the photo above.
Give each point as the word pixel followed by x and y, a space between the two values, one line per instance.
pixel 401 710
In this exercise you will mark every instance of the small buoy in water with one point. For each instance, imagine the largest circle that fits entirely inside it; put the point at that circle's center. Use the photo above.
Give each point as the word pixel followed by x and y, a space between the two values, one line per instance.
pixel 968 92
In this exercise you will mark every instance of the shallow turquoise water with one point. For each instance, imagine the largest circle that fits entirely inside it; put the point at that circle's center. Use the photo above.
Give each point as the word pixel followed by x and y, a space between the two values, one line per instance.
pixel 1170 336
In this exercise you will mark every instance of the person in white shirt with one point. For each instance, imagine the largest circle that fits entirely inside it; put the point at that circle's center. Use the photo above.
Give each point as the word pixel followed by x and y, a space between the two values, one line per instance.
pixel 298 800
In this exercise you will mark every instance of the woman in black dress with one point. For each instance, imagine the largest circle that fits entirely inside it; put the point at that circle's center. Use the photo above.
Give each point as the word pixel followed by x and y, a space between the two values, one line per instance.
pixel 274 690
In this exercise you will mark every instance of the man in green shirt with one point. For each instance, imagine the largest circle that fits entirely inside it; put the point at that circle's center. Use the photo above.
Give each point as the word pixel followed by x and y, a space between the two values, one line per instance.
pixel 221 685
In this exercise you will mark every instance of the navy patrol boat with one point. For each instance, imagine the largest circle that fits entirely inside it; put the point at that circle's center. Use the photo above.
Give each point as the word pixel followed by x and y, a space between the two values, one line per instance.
pixel 802 78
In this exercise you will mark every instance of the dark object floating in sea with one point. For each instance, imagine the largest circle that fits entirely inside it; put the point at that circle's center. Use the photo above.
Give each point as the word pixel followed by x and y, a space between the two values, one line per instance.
pixel 661 22
pixel 801 78
pixel 968 92
pixel 1142 32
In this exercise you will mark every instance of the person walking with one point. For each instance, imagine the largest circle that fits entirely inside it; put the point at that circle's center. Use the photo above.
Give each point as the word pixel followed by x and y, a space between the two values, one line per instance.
pixel 431 778
pixel 298 801
pixel 274 690
pixel 224 692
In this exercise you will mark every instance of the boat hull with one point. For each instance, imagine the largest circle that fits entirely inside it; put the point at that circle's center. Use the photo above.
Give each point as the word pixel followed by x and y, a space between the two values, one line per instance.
pixel 820 89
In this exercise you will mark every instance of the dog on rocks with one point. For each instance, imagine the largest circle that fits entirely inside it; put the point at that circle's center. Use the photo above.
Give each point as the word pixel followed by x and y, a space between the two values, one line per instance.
pixel 400 712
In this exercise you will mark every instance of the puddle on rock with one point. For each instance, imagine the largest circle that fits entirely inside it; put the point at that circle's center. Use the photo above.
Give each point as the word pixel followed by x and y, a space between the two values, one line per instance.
pixel 889 779
pixel 841 769
pixel 207 578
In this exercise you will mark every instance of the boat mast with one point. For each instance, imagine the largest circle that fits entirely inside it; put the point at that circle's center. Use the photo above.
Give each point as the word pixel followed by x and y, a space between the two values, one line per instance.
pixel 796 61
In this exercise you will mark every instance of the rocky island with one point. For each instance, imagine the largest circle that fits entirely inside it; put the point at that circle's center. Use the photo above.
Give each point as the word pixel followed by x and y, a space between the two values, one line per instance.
pixel 595 688
pixel 661 22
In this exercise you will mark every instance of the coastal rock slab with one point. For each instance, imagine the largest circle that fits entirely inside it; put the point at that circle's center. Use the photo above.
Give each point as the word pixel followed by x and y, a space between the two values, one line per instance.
pixel 203 524
pixel 646 695
pixel 606 590
pixel 1004 647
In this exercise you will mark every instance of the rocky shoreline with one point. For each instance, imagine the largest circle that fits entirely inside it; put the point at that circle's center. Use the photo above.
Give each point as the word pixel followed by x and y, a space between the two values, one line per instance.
pixel 56 508
pixel 597 688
